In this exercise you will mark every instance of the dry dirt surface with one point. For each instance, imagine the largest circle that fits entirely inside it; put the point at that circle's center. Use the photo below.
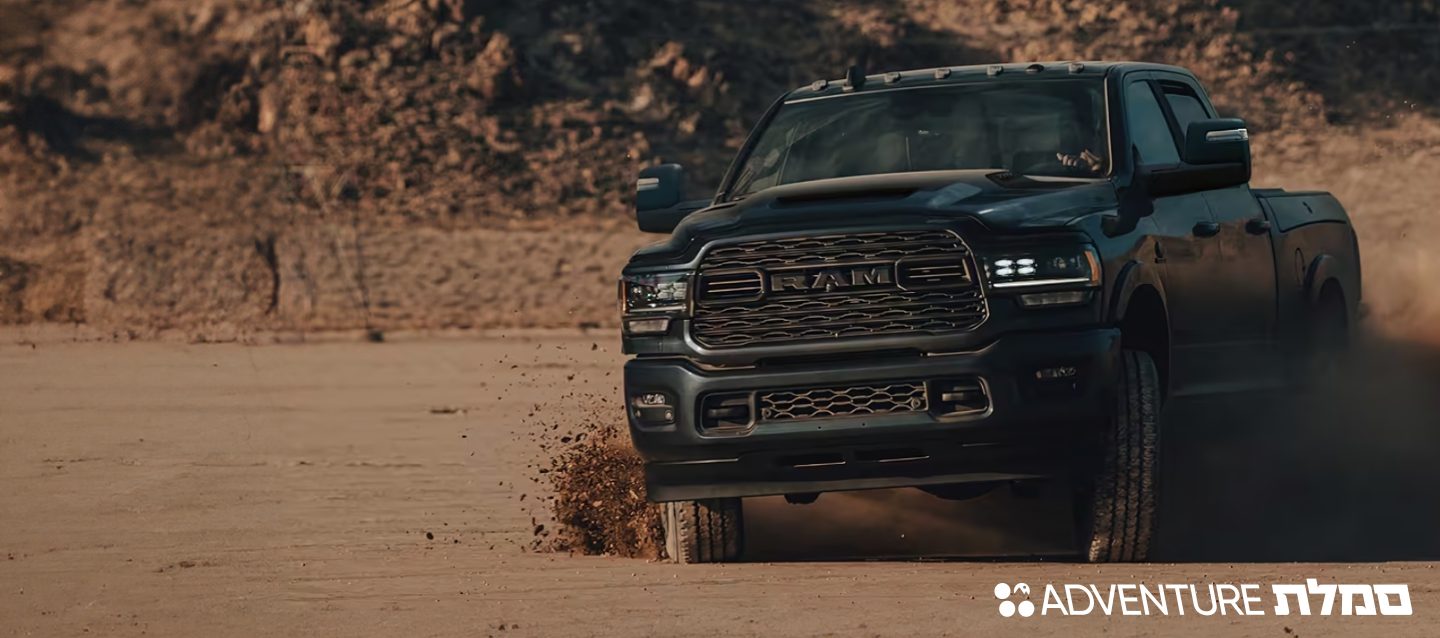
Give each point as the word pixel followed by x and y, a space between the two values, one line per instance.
pixel 387 488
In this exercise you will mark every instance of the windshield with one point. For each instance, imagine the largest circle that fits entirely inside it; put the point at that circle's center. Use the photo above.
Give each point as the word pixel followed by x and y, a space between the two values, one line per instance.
pixel 1054 128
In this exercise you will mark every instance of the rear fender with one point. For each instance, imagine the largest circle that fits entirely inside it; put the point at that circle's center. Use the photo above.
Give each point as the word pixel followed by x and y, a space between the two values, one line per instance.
pixel 1327 268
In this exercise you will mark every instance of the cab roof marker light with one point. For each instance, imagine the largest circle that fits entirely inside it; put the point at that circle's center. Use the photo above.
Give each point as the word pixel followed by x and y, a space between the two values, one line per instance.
pixel 854 78
pixel 942 73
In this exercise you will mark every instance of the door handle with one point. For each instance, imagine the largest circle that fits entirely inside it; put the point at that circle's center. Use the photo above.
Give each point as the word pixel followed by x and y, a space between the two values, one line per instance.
pixel 1257 226
pixel 1206 229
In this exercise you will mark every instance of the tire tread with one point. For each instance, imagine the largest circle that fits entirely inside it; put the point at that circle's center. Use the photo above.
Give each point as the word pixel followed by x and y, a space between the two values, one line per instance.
pixel 1123 508
pixel 704 531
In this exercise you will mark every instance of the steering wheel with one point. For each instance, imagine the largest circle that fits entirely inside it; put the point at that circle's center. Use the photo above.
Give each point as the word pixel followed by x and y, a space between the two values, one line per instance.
pixel 1050 165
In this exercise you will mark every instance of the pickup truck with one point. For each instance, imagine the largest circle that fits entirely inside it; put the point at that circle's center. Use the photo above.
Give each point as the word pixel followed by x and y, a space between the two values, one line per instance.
pixel 962 278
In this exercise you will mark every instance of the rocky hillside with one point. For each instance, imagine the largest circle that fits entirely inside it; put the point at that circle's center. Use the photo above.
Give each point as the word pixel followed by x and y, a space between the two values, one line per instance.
pixel 222 166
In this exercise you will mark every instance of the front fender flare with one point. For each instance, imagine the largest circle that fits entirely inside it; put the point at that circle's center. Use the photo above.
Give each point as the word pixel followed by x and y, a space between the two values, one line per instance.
pixel 1133 275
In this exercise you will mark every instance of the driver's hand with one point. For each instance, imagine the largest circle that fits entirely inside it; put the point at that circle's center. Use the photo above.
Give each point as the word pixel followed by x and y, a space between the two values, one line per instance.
pixel 1085 159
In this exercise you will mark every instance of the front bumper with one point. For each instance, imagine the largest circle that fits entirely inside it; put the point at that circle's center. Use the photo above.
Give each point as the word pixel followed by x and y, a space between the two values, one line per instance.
pixel 1032 428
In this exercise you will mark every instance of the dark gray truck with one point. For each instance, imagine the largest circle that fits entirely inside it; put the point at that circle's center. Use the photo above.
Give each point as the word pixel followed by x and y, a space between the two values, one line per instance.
pixel 966 277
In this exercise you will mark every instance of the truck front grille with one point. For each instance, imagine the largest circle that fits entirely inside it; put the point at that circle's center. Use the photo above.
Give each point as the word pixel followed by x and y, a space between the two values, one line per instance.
pixel 836 286
pixel 819 403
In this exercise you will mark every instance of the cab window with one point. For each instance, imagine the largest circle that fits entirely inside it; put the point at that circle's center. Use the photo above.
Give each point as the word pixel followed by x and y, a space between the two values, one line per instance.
pixel 1186 106
pixel 1149 130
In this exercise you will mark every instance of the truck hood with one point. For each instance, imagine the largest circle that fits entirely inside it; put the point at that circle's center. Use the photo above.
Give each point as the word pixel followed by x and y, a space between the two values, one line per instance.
pixel 1000 201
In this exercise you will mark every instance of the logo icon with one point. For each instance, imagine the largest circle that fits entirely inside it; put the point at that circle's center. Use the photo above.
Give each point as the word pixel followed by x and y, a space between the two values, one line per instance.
pixel 1008 608
pixel 832 279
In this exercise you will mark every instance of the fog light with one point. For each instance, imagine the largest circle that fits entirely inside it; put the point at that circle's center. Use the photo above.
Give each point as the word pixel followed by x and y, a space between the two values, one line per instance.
pixel 647 326
pixel 1056 382
pixel 652 408
pixel 1058 372
pixel 1048 299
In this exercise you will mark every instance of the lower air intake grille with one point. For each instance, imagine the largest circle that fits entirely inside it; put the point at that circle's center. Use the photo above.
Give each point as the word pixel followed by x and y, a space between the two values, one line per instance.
pixel 819 403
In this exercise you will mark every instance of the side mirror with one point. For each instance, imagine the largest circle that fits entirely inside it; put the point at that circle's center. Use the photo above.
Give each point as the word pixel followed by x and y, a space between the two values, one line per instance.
pixel 1216 154
pixel 659 187
pixel 1224 141
pixel 660 198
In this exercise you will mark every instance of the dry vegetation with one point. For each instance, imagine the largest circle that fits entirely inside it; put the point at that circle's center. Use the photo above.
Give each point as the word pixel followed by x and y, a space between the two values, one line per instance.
pixel 226 166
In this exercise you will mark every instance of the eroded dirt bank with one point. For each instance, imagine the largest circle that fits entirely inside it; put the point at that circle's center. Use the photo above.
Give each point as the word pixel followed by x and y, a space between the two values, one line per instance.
pixel 217 168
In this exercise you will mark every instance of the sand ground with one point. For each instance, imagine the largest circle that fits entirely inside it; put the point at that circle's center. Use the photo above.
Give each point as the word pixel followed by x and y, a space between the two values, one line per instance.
pixel 376 489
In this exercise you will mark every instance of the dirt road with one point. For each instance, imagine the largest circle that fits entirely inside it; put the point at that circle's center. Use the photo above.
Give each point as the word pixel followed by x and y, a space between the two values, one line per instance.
pixel 344 489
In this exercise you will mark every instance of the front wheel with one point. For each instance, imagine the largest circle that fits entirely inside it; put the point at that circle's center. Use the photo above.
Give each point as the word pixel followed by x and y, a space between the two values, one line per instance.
pixel 705 531
pixel 1121 516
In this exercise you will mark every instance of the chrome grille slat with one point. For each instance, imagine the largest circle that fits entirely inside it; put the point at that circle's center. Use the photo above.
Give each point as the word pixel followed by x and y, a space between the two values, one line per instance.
pixel 833 249
pixel 813 260
pixel 932 289
pixel 837 322
pixel 903 299
pixel 744 284
pixel 894 327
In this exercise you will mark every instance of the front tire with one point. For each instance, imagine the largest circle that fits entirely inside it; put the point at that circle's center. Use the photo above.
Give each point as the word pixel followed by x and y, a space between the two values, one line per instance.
pixel 1121 517
pixel 705 531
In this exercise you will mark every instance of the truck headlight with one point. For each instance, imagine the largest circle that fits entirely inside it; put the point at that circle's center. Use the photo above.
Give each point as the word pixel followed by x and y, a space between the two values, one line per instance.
pixel 1063 267
pixel 664 292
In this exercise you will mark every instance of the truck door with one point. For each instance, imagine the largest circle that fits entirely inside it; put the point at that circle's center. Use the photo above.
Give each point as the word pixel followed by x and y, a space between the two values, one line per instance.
pixel 1242 325
pixel 1185 246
